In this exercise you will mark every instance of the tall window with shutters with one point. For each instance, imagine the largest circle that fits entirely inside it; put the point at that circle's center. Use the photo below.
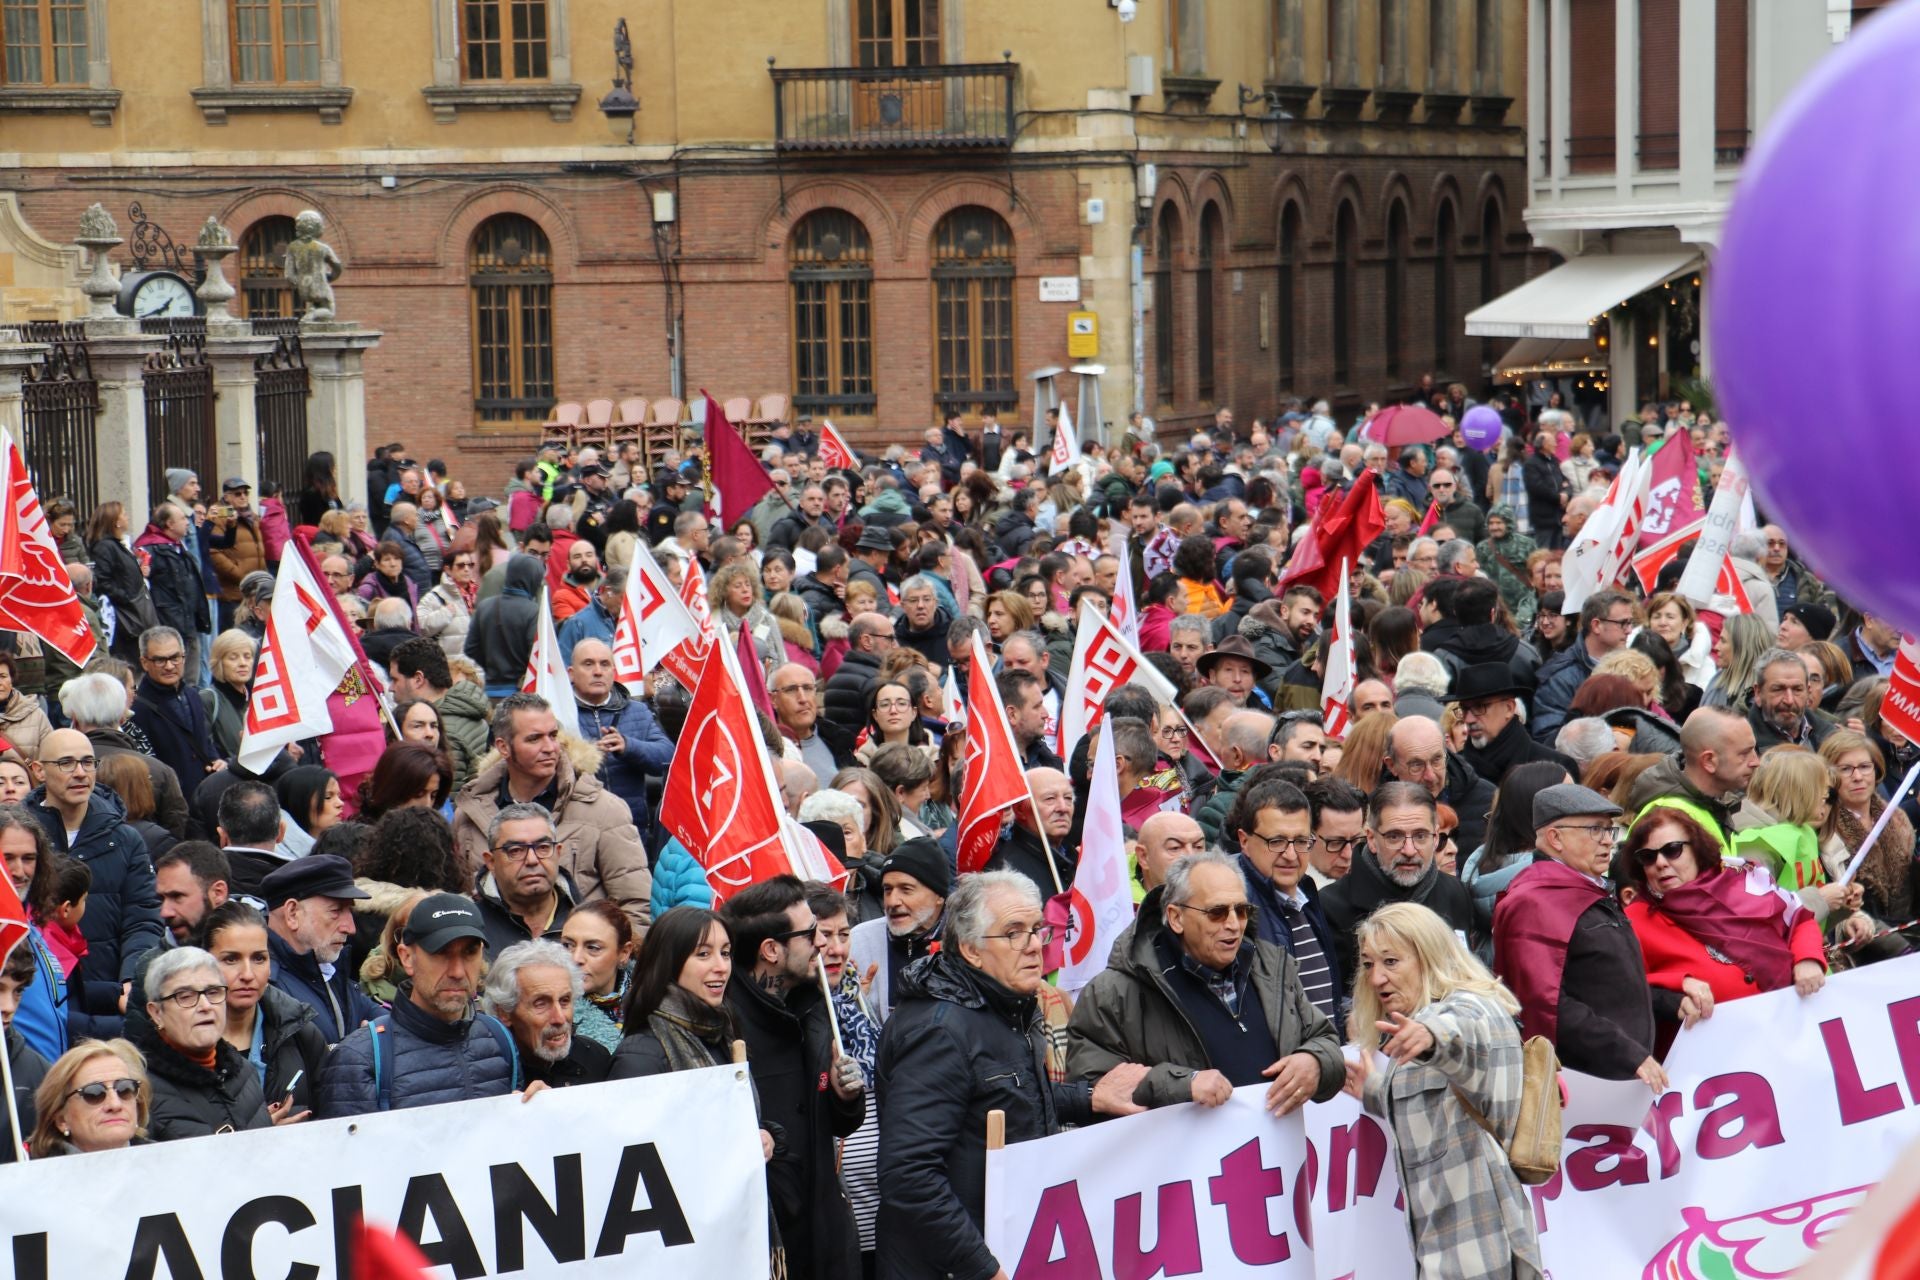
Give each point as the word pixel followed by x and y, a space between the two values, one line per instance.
pixel 1203 301
pixel 1286 292
pixel 1445 234
pixel 510 283
pixel 973 270
pixel 275 41
pixel 44 42
pixel 264 288
pixel 1396 291
pixel 504 39
pixel 1346 269
pixel 1166 239
pixel 830 277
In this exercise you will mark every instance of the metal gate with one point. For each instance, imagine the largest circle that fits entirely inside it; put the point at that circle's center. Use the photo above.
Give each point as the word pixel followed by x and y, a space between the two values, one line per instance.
pixel 62 402
pixel 280 405
pixel 180 424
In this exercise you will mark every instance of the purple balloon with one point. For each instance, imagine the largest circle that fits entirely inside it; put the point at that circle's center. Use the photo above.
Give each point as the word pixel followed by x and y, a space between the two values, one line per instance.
pixel 1815 313
pixel 1481 427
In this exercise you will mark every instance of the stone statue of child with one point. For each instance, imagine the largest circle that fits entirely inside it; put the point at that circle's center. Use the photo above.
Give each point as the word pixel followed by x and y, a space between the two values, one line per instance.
pixel 312 265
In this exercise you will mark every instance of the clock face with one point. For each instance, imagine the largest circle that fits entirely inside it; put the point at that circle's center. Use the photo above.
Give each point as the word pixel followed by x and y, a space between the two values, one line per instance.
pixel 163 295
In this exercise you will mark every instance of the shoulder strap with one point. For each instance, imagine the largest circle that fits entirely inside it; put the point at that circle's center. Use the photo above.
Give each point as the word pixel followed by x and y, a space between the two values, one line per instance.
pixel 1473 1113
pixel 504 1039
pixel 382 1086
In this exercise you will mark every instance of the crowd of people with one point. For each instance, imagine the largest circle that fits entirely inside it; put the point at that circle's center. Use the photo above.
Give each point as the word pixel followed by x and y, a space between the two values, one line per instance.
pixel 1628 813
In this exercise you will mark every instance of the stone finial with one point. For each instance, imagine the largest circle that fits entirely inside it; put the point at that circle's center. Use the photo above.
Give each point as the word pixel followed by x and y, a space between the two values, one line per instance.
pixel 98 235
pixel 214 245
pixel 213 236
pixel 97 224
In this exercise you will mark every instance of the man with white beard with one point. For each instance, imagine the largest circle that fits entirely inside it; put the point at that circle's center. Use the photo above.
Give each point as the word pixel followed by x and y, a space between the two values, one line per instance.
pixel 915 880
pixel 532 987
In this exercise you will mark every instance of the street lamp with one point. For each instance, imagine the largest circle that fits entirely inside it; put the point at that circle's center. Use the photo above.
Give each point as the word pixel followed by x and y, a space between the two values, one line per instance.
pixel 620 106
pixel 1273 120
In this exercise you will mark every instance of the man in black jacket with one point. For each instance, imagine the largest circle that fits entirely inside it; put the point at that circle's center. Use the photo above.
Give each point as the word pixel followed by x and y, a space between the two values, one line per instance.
pixel 1020 849
pixel 1489 703
pixel 533 987
pixel 501 637
pixel 309 921
pixel 805 1086
pixel 1395 865
pixel 786 531
pixel 966 1038
pixel 869 639
pixel 1417 753
pixel 168 710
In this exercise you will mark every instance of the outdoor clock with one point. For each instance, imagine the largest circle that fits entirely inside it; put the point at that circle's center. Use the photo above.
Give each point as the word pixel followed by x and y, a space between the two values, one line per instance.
pixel 156 293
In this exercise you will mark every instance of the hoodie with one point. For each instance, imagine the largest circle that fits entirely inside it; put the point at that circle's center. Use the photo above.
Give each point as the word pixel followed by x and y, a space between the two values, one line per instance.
pixel 501 638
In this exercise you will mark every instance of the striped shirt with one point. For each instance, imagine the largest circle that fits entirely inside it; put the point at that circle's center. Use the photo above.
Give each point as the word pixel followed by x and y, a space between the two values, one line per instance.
pixel 1316 975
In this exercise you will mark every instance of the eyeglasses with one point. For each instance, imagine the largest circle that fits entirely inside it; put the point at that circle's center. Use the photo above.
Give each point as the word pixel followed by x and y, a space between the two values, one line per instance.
pixel 1273 844
pixel 1668 852
pixel 786 689
pixel 1218 915
pixel 1616 622
pixel 893 704
pixel 73 764
pixel 1334 844
pixel 1174 731
pixel 520 850
pixel 1405 839
pixel 1854 770
pixel 1019 939
pixel 187 997
pixel 94 1094
pixel 166 659
pixel 1605 833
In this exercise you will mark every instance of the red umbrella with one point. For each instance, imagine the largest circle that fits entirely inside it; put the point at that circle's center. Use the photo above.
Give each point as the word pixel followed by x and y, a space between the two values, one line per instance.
pixel 1399 424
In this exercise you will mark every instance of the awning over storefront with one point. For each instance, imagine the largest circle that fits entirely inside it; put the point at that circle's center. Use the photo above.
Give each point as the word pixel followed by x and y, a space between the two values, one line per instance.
pixel 1549 355
pixel 1565 301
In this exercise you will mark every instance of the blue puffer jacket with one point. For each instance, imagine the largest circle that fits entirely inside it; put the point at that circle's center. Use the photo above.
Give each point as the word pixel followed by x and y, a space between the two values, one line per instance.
pixel 649 751
pixel 590 623
pixel 123 906
pixel 1560 679
pixel 1486 888
pixel 678 880
pixel 427 1061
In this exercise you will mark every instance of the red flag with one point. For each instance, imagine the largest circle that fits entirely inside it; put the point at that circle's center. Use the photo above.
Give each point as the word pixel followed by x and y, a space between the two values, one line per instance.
pixel 1901 708
pixel 994 780
pixel 1432 519
pixel 1648 564
pixel 834 450
pixel 719 799
pixel 1674 500
pixel 386 1255
pixel 683 662
pixel 1340 537
pixel 733 473
pixel 752 672
pixel 35 593
pixel 14 923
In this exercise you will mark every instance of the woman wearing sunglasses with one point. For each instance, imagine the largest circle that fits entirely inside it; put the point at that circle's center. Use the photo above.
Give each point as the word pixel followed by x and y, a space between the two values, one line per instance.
pixel 95 1098
pixel 1709 931
pixel 201 1083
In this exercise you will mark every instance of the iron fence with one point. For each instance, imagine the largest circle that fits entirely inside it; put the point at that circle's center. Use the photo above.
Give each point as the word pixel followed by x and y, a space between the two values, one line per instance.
pixel 62 404
pixel 280 405
pixel 179 391
pixel 862 108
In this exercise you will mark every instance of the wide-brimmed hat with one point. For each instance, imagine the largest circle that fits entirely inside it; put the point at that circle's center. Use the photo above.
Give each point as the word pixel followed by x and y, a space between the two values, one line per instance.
pixel 1232 647
pixel 1484 680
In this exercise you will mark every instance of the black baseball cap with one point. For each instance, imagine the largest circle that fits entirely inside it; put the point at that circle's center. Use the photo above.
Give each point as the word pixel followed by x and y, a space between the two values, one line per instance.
pixel 437 922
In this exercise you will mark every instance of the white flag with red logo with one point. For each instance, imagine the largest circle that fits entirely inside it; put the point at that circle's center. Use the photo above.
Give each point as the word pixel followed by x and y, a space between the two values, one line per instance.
pixel 304 656
pixel 1103 660
pixel 1607 541
pixel 1336 685
pixel 834 450
pixel 1101 899
pixel 994 779
pixel 35 593
pixel 684 660
pixel 1701 580
pixel 546 675
pixel 809 857
pixel 653 622
pixel 1125 613
pixel 720 799
pixel 1066 445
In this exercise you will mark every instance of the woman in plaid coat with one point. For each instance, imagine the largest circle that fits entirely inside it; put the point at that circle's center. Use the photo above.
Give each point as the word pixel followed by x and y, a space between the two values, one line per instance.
pixel 1447 1028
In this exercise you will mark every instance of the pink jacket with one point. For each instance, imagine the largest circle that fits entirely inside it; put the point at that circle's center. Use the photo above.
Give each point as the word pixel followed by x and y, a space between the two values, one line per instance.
pixel 275 528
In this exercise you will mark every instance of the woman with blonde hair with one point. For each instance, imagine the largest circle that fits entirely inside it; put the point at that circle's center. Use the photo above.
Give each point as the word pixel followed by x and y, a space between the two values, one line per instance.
pixel 1363 759
pixel 1671 617
pixel 1778 826
pixel 231 660
pixel 796 637
pixel 883 810
pixel 734 596
pixel 1006 613
pixel 1450 1090
pixel 94 1098
pixel 1743 639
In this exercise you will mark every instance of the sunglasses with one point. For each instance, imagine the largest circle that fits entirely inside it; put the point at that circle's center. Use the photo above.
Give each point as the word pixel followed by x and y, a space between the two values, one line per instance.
pixel 96 1093
pixel 1670 851
pixel 1219 914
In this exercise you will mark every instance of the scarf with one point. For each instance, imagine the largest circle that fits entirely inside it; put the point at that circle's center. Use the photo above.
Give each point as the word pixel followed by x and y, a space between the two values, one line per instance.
pixel 1886 873
pixel 693 1033
pixel 1742 915
pixel 1533 922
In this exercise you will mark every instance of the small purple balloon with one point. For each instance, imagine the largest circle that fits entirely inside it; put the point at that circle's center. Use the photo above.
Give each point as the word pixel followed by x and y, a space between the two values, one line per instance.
pixel 1481 427
pixel 1815 313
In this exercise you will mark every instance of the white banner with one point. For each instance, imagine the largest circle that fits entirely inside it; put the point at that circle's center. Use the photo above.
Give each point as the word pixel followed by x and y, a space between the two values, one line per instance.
pixel 659 1177
pixel 1782 1113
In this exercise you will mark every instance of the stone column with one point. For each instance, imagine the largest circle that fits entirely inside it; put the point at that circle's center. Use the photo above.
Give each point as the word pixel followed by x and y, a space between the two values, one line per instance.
pixel 1341 67
pixel 1442 55
pixel 118 352
pixel 335 351
pixel 15 359
pixel 1290 38
pixel 232 349
pixel 1393 44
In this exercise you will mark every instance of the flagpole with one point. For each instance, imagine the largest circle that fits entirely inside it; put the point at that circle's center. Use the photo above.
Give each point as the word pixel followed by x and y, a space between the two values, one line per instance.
pixel 1040 829
pixel 6 1083
pixel 833 1018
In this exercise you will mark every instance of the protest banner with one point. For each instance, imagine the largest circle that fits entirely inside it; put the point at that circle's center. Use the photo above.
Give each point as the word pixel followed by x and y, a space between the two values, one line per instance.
pixel 659 1177
pixel 1735 1173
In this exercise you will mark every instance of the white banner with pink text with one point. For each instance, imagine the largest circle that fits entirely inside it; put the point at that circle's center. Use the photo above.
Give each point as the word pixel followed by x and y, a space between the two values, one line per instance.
pixel 1780 1115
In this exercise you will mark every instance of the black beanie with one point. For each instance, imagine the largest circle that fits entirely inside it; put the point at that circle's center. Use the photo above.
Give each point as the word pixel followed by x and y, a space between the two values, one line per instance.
pixel 924 860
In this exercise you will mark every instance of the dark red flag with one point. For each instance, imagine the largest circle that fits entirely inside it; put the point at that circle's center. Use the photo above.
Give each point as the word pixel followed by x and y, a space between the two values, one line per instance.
pixel 1341 536
pixel 735 475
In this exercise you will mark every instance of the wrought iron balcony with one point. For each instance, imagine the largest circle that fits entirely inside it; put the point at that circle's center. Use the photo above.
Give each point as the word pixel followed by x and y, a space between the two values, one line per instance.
pixel 966 106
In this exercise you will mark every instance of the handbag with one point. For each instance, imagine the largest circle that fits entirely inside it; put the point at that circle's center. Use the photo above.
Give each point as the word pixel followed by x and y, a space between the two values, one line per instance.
pixel 1534 1150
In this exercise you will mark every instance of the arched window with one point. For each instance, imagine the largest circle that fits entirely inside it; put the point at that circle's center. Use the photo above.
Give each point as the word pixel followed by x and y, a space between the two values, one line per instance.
pixel 1203 304
pixel 1396 293
pixel 264 288
pixel 510 279
pixel 1287 289
pixel 973 311
pixel 1445 320
pixel 1493 234
pixel 1346 247
pixel 831 276
pixel 1166 237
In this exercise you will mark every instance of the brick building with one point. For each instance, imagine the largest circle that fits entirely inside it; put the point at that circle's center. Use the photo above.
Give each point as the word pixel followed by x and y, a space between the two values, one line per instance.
pixel 853 205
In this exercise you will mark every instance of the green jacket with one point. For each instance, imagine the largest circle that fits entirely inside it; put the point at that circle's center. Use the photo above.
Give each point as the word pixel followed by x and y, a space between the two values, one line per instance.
pixel 1129 1014
pixel 1212 814
pixel 466 722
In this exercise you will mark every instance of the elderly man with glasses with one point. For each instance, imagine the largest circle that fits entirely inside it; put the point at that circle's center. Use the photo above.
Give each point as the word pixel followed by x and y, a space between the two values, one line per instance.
pixel 524 894
pixel 1398 863
pixel 167 708
pixel 1193 992
pixel 1562 943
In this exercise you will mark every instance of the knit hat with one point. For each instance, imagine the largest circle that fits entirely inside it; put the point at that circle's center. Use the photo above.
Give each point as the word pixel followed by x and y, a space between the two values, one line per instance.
pixel 1817 619
pixel 179 477
pixel 924 860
